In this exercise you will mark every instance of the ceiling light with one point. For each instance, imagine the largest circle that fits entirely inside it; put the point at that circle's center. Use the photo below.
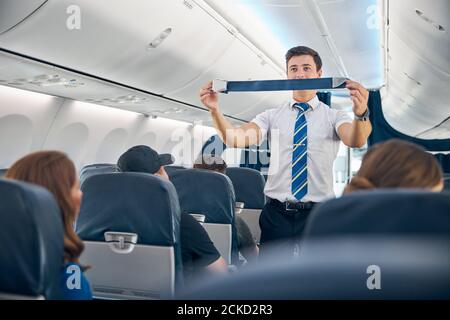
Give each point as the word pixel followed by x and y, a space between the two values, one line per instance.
pixel 159 39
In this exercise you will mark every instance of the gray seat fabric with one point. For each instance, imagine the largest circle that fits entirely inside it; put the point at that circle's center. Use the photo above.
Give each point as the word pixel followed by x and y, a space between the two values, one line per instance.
pixel 248 186
pixel 97 168
pixel 171 169
pixel 384 211
pixel 209 193
pixel 131 202
pixel 342 268
pixel 31 241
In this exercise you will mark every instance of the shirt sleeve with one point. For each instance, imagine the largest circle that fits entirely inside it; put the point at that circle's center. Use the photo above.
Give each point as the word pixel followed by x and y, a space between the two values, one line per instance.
pixel 196 242
pixel 262 120
pixel 341 117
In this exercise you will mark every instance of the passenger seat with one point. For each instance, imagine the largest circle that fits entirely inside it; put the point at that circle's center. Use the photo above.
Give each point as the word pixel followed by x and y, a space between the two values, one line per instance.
pixel 393 212
pixel 96 168
pixel 130 223
pixel 32 242
pixel 249 189
pixel 210 194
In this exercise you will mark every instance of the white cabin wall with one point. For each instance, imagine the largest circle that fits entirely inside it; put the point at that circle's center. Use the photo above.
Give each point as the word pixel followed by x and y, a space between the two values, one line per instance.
pixel 88 133
pixel 25 119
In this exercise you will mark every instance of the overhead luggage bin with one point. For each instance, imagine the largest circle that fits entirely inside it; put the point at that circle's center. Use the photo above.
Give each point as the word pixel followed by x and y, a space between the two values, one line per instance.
pixel 14 12
pixel 114 40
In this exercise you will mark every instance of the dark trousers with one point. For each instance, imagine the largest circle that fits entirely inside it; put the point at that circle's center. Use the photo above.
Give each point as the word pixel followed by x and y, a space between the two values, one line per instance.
pixel 281 226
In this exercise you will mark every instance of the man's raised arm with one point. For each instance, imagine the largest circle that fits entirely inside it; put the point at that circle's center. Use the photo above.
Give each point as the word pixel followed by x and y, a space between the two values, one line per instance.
pixel 237 137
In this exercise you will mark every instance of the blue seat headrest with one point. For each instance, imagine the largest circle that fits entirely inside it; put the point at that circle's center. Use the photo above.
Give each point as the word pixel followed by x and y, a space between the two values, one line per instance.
pixel 205 192
pixel 383 211
pixel 248 186
pixel 97 168
pixel 31 240
pixel 170 169
pixel 341 268
pixel 3 172
pixel 138 203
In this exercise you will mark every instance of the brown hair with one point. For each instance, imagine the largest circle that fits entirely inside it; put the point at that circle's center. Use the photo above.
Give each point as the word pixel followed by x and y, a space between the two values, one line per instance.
pixel 396 164
pixel 210 162
pixel 304 51
pixel 56 172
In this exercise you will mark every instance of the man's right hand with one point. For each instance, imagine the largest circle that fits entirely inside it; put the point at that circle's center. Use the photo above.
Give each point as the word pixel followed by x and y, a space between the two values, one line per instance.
pixel 209 98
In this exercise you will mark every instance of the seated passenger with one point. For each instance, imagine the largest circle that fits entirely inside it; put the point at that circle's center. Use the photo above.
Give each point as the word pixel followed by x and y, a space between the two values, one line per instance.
pixel 246 243
pixel 198 252
pixel 56 172
pixel 397 164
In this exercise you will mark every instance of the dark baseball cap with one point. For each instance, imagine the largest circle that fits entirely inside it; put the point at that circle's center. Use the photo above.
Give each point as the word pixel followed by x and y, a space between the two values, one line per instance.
pixel 143 159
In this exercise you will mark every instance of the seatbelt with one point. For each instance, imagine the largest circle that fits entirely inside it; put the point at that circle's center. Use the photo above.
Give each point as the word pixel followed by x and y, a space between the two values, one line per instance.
pixel 224 86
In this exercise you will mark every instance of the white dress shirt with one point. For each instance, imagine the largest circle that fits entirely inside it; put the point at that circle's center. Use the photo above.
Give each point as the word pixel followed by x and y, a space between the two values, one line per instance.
pixel 323 144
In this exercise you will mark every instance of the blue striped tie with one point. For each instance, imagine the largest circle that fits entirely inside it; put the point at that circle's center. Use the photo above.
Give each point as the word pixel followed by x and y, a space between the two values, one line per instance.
pixel 299 186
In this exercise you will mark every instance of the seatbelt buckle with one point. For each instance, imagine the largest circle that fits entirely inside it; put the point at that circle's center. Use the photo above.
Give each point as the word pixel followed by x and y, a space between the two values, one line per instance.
pixel 220 86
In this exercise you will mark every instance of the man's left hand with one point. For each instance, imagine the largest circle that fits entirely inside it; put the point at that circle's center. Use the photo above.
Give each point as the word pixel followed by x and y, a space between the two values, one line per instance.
pixel 359 96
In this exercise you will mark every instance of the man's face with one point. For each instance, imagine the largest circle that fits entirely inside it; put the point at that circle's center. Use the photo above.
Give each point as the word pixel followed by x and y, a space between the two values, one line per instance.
pixel 162 173
pixel 302 67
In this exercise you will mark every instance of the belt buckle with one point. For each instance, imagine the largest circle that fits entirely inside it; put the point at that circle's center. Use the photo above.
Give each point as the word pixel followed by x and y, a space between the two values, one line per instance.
pixel 292 204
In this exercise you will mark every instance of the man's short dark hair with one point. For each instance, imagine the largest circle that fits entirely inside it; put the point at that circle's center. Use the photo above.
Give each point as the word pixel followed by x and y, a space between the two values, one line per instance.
pixel 210 162
pixel 304 51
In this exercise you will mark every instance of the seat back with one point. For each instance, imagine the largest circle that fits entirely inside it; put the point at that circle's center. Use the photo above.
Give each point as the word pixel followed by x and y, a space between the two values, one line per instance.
pixel 171 168
pixel 140 214
pixel 31 241
pixel 342 268
pixel 221 235
pixel 248 186
pixel 209 193
pixel 3 172
pixel 447 181
pixel 96 168
pixel 385 211
pixel 145 272
pixel 249 189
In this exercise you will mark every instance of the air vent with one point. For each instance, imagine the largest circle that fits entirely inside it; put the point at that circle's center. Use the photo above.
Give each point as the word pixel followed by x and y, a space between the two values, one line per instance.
pixel 129 99
pixel 429 20
pixel 45 80
pixel 173 110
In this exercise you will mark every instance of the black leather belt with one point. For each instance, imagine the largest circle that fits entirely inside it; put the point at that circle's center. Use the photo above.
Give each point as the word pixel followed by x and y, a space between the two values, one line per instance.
pixel 294 206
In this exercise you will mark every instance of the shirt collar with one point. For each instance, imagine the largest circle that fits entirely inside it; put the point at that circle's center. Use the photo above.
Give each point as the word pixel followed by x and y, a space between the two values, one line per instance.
pixel 314 102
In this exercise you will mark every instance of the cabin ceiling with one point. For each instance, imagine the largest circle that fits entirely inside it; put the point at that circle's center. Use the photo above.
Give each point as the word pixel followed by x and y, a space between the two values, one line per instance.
pixel 233 40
